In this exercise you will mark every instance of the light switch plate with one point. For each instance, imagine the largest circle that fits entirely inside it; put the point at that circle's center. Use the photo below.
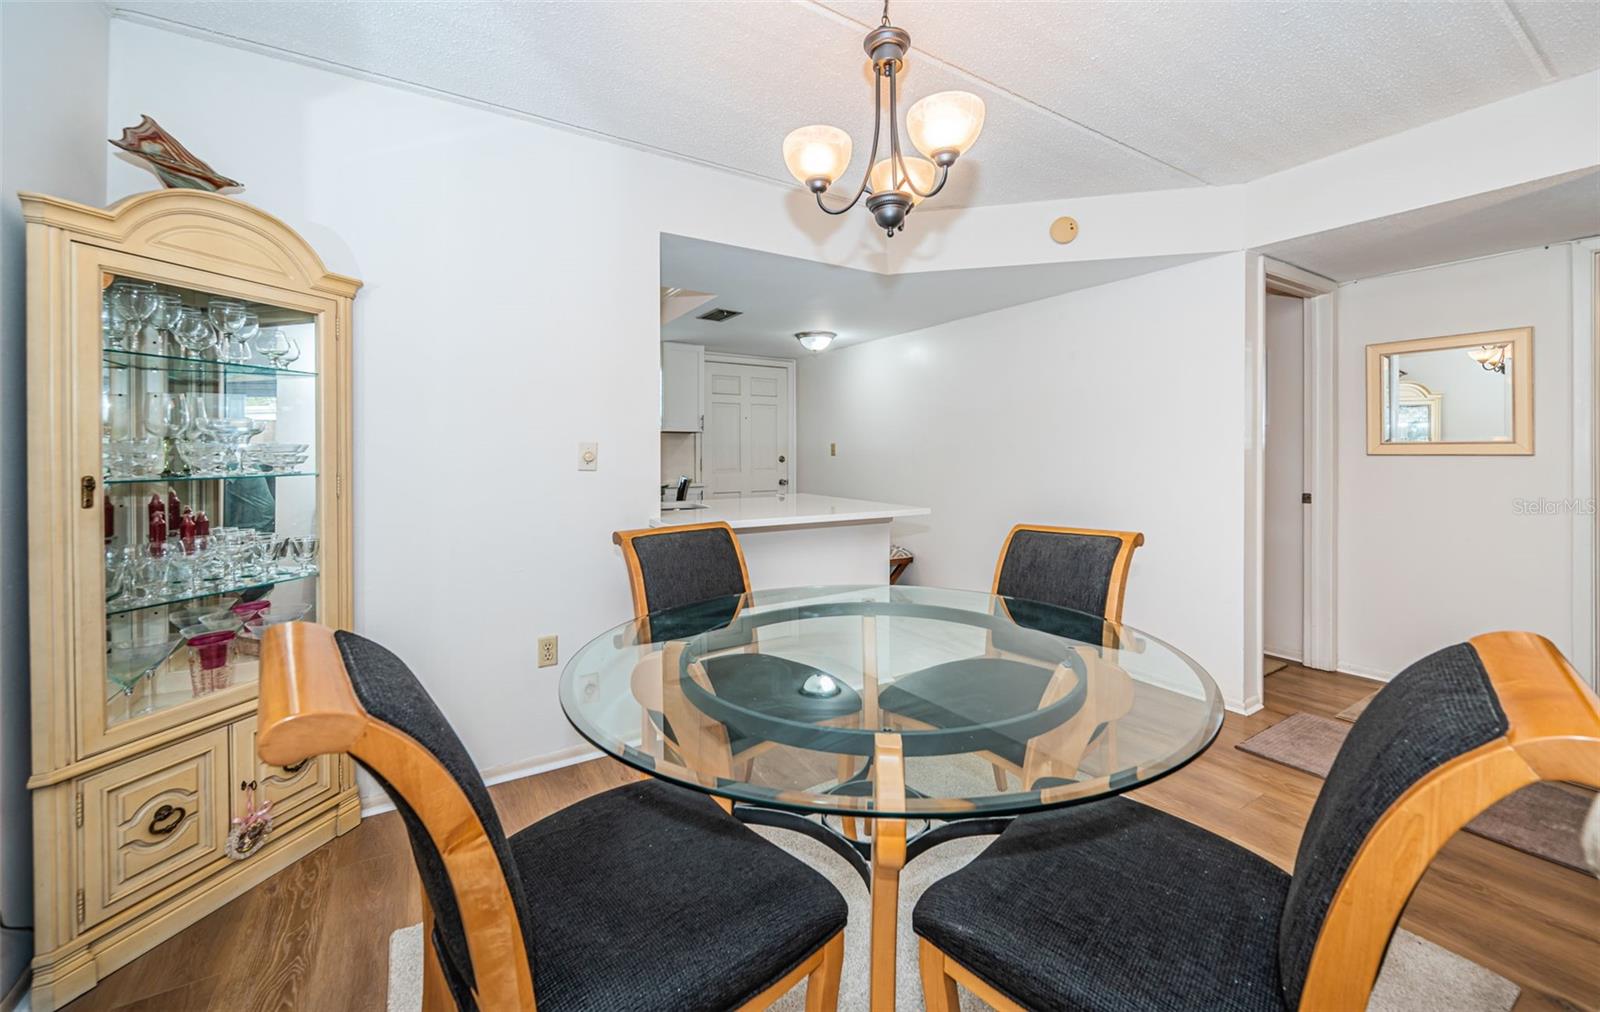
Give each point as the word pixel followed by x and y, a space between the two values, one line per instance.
pixel 588 456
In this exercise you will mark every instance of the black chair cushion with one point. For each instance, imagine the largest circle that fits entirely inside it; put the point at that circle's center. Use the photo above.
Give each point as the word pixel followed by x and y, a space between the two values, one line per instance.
pixel 1438 708
pixel 686 567
pixel 650 897
pixel 1069 570
pixel 388 690
pixel 1113 907
pixel 968 692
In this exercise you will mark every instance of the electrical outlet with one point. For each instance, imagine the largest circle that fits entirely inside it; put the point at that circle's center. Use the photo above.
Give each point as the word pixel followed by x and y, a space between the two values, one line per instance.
pixel 548 654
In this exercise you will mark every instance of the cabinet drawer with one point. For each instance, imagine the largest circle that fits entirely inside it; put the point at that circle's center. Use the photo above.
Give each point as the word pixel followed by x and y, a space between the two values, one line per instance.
pixel 290 789
pixel 151 820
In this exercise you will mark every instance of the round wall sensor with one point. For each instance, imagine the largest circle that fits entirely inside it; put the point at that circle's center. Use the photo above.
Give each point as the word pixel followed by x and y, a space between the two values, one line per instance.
pixel 1064 230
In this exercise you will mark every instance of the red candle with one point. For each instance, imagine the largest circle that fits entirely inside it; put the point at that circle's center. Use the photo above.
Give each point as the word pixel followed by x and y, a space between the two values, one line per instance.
pixel 174 507
pixel 186 531
pixel 111 520
pixel 156 506
pixel 158 531
pixel 202 525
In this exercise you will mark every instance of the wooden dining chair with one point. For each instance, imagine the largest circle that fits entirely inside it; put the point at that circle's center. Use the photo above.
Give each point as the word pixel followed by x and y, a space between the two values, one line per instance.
pixel 1119 905
pixel 1080 569
pixel 569 912
pixel 672 569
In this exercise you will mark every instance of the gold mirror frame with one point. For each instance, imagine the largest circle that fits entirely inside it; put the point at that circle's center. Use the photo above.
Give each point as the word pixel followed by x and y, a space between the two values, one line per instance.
pixel 1521 442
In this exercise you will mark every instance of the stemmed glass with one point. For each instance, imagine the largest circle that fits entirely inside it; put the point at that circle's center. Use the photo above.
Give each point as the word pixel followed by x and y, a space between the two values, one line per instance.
pixel 167 416
pixel 132 305
pixel 273 345
pixel 193 333
pixel 243 336
pixel 165 317
pixel 227 316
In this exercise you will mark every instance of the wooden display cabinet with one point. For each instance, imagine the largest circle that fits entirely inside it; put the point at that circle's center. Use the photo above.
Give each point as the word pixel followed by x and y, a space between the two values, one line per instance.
pixel 188 352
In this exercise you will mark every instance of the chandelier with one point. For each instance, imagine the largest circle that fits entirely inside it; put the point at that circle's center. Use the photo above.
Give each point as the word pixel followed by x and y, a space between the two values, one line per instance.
pixel 942 126
pixel 1491 356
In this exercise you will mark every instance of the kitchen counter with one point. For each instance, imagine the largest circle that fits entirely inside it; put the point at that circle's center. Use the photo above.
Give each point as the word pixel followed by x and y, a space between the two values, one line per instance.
pixel 800 509
pixel 803 540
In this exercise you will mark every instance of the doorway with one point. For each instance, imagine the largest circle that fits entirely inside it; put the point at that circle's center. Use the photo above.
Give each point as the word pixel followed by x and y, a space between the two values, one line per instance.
pixel 1286 520
pixel 747 448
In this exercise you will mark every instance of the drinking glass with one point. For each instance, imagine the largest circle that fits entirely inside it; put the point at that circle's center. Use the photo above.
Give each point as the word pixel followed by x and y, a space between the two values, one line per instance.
pixel 193 333
pixel 272 344
pixel 227 316
pixel 116 574
pixel 288 357
pixel 306 553
pixel 167 416
pixel 132 305
pixel 243 335
pixel 161 323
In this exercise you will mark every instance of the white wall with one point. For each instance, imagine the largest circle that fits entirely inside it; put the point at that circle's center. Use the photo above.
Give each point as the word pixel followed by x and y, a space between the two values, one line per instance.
pixel 52 107
pixel 1283 569
pixel 1433 550
pixel 512 310
pixel 1117 407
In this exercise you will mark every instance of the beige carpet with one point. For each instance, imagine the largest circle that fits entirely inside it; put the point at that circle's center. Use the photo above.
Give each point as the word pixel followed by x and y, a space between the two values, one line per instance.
pixel 1545 820
pixel 1417 975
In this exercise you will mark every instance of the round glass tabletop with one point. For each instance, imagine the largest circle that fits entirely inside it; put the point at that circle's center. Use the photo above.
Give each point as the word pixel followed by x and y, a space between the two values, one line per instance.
pixel 915 702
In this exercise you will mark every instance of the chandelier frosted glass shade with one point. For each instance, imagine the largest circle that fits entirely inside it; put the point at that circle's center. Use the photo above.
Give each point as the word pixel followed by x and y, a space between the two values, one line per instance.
pixel 816 152
pixel 815 340
pixel 886 179
pixel 947 121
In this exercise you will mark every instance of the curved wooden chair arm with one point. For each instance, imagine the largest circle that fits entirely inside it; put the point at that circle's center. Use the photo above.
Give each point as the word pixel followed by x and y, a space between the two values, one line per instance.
pixel 308 707
pixel 630 556
pixel 1553 733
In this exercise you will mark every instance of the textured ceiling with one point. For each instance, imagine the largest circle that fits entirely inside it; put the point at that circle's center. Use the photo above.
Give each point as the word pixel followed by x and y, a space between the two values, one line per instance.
pixel 1548 211
pixel 1083 98
pixel 780 295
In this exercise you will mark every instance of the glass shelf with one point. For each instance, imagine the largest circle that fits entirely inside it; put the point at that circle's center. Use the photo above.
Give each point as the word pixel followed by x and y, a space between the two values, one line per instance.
pixel 231 476
pixel 122 604
pixel 176 366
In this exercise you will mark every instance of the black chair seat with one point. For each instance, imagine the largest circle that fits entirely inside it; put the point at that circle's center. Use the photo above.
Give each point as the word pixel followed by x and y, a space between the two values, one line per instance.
pixel 650 897
pixel 972 691
pixel 1114 907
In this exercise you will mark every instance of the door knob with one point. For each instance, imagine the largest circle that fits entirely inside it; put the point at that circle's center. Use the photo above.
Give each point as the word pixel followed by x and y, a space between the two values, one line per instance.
pixel 782 458
pixel 783 481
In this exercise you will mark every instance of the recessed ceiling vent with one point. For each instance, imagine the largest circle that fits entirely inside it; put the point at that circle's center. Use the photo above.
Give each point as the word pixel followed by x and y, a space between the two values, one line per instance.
pixel 718 315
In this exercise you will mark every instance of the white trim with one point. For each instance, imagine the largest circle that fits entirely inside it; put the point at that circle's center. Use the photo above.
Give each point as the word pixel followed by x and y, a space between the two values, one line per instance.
pixel 570 756
pixel 1585 446
pixel 1292 656
pixel 1361 671
pixel 1320 404
pixel 1255 467
pixel 789 366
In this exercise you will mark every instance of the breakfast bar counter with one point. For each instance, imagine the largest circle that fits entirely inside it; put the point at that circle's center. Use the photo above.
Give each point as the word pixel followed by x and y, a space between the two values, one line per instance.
pixel 803 539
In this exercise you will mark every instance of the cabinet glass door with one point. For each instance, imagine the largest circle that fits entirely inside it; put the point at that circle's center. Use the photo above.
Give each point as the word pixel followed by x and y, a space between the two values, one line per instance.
pixel 209 457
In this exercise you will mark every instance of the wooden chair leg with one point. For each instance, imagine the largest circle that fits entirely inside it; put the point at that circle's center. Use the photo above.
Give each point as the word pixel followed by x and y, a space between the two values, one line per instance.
pixel 743 768
pixel 1000 782
pixel 938 988
pixel 435 992
pixel 822 987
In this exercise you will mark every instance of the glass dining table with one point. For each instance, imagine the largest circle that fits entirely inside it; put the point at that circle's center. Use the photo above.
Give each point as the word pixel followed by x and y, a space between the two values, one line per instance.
pixel 885 720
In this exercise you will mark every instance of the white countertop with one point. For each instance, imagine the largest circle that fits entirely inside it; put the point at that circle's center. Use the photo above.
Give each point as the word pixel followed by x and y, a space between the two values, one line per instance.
pixel 800 509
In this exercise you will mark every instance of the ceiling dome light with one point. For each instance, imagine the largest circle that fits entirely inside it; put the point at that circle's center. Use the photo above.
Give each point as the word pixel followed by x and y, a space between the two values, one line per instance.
pixel 945 124
pixel 815 340
pixel 942 126
pixel 817 152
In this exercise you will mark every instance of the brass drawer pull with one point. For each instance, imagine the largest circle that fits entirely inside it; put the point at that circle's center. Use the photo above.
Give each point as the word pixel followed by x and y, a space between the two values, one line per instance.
pixel 297 767
pixel 162 814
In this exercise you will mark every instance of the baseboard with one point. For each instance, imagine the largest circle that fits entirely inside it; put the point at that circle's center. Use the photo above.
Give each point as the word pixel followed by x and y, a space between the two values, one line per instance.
pixel 1364 672
pixel 377 804
pixel 1291 656
pixel 16 999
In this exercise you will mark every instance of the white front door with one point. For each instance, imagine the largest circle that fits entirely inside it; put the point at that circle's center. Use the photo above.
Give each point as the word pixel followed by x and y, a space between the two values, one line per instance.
pixel 746 438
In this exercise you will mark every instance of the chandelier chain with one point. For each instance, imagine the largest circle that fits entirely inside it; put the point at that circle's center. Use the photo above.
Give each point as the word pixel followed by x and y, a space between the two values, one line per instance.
pixel 885 19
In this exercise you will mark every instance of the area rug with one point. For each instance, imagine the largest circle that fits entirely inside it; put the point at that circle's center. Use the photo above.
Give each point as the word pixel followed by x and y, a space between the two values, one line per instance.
pixel 1417 975
pixel 1544 820
pixel 1356 709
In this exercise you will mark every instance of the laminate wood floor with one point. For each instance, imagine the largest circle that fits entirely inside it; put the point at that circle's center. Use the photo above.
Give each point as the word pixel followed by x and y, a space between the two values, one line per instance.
pixel 316 936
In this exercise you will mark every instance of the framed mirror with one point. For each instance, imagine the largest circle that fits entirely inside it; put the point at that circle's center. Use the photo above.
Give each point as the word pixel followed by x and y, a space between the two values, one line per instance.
pixel 1462 394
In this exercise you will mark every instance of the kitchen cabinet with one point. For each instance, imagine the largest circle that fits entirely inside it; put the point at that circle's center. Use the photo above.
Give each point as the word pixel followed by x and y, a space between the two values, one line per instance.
pixel 189 453
pixel 682 366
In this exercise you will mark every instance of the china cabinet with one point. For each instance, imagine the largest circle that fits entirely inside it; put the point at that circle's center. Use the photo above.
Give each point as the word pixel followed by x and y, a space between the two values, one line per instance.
pixel 188 463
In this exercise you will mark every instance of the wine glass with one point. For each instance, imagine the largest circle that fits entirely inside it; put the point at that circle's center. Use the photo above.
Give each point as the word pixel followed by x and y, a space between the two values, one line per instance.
pixel 110 325
pixel 272 344
pixel 243 335
pixel 288 357
pixel 192 331
pixel 163 320
pixel 306 553
pixel 132 305
pixel 226 316
pixel 167 415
